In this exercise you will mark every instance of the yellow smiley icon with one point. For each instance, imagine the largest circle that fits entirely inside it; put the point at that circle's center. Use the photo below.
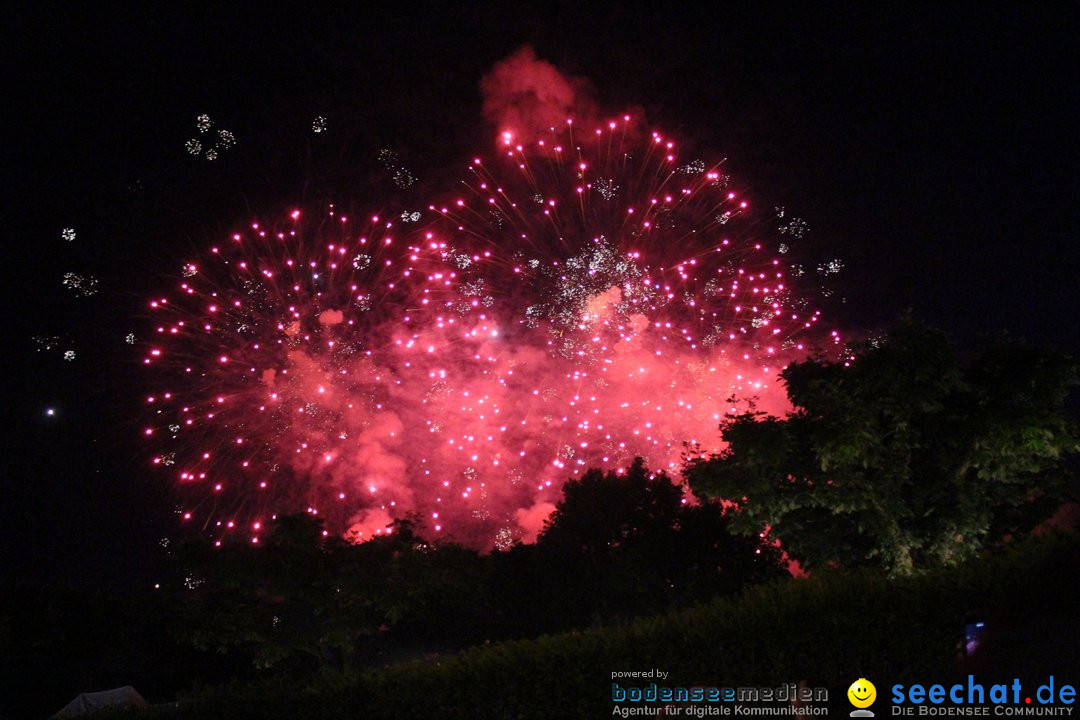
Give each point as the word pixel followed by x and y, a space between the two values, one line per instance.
pixel 862 693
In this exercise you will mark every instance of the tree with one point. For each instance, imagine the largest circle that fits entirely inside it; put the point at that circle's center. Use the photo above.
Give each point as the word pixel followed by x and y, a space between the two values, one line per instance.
pixel 299 600
pixel 901 457
pixel 625 544
pixel 277 602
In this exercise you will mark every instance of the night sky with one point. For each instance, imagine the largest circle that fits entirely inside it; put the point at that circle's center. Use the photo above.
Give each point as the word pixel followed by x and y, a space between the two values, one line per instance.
pixel 933 150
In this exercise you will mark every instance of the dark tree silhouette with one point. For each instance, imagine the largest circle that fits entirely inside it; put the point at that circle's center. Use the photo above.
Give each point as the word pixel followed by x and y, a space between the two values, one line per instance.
pixel 619 545
pixel 622 545
pixel 902 458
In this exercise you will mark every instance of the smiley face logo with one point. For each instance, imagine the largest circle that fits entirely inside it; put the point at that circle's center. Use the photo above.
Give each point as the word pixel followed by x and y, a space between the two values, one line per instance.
pixel 862 693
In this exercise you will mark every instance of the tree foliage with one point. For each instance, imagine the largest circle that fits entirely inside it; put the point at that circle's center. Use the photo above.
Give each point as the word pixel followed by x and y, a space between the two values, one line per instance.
pixel 617 547
pixel 902 457
pixel 632 543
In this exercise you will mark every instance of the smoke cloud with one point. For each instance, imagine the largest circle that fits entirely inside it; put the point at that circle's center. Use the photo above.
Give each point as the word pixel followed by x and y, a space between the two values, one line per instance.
pixel 592 299
pixel 526 97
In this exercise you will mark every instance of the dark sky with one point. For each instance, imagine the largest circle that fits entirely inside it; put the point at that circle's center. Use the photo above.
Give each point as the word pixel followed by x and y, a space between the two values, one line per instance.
pixel 933 149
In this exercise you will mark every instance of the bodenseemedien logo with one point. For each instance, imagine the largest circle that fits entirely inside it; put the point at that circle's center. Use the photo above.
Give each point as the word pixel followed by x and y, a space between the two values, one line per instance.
pixel 862 694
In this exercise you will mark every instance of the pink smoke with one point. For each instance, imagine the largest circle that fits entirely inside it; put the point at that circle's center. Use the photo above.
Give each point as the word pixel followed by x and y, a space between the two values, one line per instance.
pixel 526 97
pixel 592 298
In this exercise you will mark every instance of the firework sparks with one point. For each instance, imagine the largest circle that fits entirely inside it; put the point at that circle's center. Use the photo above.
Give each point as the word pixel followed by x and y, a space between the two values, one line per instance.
pixel 585 299
pixel 207 148
pixel 83 285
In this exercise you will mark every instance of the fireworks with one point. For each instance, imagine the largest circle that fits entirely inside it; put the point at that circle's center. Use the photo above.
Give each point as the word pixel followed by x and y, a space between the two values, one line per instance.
pixel 207 149
pixel 586 298
pixel 83 285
